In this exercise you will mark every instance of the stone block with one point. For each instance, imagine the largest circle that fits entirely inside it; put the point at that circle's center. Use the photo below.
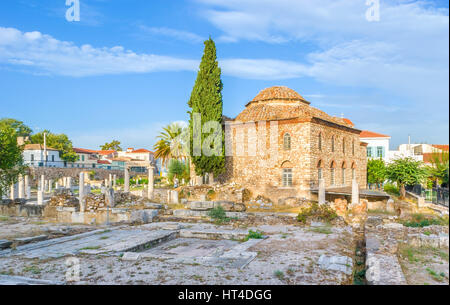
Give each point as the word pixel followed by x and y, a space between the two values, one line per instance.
pixel 342 264
pixel 131 256
pixel 28 240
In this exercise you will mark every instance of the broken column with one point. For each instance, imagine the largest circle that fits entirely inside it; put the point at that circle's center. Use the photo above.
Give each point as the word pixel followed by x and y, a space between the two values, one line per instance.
pixel 126 181
pixel 12 192
pixel 40 197
pixel 50 185
pixel 114 181
pixel 322 199
pixel 199 180
pixel 21 187
pixel 110 181
pixel 174 197
pixel 81 193
pixel 42 185
pixel 109 197
pixel 151 178
pixel 69 183
pixel 27 187
pixel 355 192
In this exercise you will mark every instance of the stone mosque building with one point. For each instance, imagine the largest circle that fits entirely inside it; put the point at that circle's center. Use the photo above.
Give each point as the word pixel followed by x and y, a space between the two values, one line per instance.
pixel 303 145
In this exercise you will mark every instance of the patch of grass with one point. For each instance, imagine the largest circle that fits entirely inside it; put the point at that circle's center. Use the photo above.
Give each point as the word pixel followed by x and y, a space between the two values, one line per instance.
pixel 4 218
pixel 279 274
pixel 437 277
pixel 381 212
pixel 420 221
pixel 104 237
pixel 321 230
pixel 254 235
pixel 33 269
pixel 90 248
pixel 316 211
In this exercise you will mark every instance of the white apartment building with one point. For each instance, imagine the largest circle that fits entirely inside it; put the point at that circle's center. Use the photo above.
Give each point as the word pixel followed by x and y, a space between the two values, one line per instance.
pixel 35 155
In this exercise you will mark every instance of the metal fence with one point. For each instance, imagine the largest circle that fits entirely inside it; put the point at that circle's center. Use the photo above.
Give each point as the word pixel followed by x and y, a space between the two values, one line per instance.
pixel 436 195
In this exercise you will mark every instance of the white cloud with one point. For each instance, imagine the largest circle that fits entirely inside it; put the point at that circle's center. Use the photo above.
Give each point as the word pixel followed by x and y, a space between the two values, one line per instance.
pixel 173 33
pixel 43 53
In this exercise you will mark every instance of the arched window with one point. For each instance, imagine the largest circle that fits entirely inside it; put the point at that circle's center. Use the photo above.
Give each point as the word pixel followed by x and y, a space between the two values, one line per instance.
pixel 353 148
pixel 319 169
pixel 333 173
pixel 332 143
pixel 286 176
pixel 287 141
pixel 353 170
pixel 320 141
pixel 344 165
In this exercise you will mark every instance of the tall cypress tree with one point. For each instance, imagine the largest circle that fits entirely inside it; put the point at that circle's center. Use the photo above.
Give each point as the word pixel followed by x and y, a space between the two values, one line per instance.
pixel 206 100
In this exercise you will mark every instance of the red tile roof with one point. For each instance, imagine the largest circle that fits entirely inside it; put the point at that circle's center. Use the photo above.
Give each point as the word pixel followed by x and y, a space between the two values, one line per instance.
pixel 278 93
pixel 84 151
pixel 142 150
pixel 441 147
pixel 37 147
pixel 430 157
pixel 103 162
pixel 370 134
pixel 105 152
pixel 348 121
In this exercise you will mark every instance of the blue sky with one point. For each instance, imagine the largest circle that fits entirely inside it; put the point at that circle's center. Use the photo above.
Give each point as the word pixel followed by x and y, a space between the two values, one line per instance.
pixel 128 67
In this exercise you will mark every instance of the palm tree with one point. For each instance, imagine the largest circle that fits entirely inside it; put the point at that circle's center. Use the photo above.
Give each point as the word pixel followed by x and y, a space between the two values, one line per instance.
pixel 171 143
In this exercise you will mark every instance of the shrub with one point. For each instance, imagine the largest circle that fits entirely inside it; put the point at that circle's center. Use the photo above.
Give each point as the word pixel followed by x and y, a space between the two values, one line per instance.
pixel 218 214
pixel 317 211
pixel 391 189
pixel 254 235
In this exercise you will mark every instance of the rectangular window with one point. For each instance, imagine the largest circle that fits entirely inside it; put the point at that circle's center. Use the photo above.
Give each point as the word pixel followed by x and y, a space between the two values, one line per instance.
pixel 32 157
pixel 287 177
pixel 369 152
pixel 82 158
pixel 380 152
pixel 53 158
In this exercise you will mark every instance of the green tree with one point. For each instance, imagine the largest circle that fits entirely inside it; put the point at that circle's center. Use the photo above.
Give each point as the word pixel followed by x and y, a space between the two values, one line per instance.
pixel 171 143
pixel 206 101
pixel 21 129
pixel 438 171
pixel 406 171
pixel 60 142
pixel 376 172
pixel 114 145
pixel 11 159
pixel 176 169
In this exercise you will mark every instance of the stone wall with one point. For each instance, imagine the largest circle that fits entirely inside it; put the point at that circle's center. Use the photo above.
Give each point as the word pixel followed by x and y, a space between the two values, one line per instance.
pixel 262 174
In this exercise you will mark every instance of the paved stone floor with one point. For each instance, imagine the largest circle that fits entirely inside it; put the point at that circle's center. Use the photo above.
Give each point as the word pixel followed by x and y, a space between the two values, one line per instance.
pixel 182 253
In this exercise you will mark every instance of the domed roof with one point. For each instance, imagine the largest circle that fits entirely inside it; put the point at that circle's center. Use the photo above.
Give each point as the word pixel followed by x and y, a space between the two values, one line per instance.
pixel 278 93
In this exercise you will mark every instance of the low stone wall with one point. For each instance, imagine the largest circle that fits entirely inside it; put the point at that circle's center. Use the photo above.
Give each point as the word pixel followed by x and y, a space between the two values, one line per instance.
pixel 21 210
pixel 101 216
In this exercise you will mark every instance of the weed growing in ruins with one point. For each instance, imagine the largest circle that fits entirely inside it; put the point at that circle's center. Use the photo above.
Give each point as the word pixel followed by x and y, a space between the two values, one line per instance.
pixel 33 269
pixel 321 230
pixel 437 277
pixel 420 221
pixel 219 215
pixel 279 274
pixel 316 211
pixel 254 235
